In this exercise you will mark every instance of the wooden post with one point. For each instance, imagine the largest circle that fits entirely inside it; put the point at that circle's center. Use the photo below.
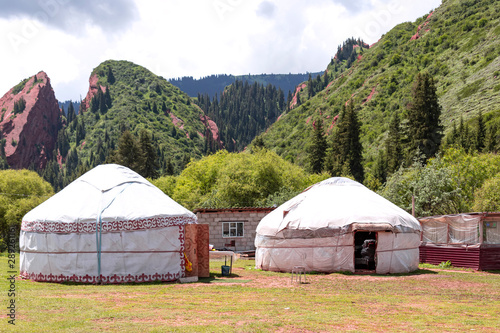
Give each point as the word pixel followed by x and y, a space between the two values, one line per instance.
pixel 413 205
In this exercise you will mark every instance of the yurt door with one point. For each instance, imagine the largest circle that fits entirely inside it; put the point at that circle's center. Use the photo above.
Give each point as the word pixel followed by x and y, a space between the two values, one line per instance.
pixel 365 247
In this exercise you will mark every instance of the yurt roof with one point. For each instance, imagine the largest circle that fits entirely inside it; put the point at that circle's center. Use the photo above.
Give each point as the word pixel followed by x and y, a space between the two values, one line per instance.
pixel 112 194
pixel 336 203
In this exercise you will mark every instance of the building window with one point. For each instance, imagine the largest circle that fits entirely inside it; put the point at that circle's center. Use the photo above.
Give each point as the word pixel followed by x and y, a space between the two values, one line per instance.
pixel 232 229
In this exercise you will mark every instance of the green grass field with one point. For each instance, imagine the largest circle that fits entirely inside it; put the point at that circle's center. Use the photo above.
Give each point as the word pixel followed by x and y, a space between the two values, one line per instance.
pixel 429 300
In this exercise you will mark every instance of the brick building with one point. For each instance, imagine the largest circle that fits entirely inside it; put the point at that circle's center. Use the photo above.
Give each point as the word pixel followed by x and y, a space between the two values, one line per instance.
pixel 232 228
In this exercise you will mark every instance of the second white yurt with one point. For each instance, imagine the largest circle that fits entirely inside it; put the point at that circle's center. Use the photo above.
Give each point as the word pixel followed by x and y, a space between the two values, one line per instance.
pixel 338 225
pixel 109 226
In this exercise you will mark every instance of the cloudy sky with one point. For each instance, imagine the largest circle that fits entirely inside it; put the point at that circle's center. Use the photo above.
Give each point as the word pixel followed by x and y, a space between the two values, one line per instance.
pixel 68 38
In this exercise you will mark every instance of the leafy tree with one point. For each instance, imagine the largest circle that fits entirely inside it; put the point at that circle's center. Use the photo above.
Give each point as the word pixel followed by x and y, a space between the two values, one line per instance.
pixel 318 148
pixel 468 172
pixel 240 180
pixel 20 191
pixel 258 143
pixel 487 197
pixel 424 129
pixel 166 184
pixel 432 187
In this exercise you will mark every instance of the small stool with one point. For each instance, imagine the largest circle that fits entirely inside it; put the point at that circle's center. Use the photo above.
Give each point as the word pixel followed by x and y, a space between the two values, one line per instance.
pixel 298 272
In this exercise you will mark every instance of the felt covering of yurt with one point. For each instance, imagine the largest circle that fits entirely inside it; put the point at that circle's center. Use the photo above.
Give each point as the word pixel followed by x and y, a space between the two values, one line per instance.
pixel 316 230
pixel 111 225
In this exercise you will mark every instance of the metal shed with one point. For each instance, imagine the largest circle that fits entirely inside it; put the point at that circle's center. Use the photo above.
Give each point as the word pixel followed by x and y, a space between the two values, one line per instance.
pixel 466 240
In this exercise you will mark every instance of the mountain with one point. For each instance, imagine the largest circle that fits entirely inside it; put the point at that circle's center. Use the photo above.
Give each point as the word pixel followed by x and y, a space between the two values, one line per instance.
pixel 215 84
pixel 123 95
pixel 457 44
pixel 29 123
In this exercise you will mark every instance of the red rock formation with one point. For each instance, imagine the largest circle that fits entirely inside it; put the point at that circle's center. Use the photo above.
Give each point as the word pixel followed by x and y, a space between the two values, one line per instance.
pixel 212 126
pixel 417 35
pixel 298 89
pixel 91 93
pixel 369 96
pixel 31 135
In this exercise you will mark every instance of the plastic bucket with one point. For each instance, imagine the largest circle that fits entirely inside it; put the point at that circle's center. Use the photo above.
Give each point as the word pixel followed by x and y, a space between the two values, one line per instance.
pixel 225 270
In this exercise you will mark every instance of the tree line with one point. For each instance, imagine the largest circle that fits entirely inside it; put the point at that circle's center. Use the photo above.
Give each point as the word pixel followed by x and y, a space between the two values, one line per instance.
pixel 415 138
pixel 242 112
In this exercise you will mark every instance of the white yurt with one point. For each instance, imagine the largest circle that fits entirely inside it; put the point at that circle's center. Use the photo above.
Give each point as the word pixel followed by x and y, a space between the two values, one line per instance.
pixel 338 225
pixel 109 226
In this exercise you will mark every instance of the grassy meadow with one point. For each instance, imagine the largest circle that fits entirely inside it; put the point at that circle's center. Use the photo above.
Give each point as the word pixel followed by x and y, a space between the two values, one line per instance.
pixel 428 300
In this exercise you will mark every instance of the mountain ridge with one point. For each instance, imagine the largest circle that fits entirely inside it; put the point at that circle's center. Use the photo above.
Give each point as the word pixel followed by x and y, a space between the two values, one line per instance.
pixel 29 121
pixel 455 43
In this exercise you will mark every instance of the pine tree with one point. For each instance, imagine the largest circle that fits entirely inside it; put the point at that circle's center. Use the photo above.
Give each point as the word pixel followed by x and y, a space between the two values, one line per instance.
pixel 346 151
pixel 71 112
pixel 452 137
pixel 318 148
pixel 103 108
pixel 491 139
pixel 111 77
pixel 3 161
pixel 480 133
pixel 63 142
pixel 169 168
pixel 424 129
pixel 380 169
pixel 310 87
pixel 107 98
pixel 149 167
pixel 185 161
pixel 129 153
pixel 393 147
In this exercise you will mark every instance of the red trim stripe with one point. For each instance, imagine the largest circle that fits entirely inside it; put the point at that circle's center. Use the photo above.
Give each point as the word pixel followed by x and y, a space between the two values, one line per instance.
pixel 112 226
pixel 112 279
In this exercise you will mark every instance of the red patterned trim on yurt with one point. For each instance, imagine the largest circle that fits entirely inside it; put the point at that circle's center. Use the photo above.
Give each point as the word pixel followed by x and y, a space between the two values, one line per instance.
pixel 182 241
pixel 113 279
pixel 113 226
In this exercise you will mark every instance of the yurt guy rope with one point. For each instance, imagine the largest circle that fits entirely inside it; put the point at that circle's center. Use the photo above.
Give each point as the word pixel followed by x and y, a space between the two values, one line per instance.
pixel 98 232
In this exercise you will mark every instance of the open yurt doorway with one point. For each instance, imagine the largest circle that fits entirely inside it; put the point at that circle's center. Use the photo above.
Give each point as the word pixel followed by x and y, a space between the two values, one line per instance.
pixel 365 248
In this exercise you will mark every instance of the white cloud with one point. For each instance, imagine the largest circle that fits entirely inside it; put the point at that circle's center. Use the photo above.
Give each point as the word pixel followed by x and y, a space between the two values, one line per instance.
pixel 195 38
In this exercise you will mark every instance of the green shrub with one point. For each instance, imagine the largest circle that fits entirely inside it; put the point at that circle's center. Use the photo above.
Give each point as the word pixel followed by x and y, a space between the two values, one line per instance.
pixel 445 264
pixel 20 86
pixel 482 22
pixel 487 197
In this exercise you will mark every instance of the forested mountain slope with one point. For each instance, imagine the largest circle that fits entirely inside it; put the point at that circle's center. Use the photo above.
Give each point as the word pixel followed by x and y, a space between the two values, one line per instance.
pixel 457 44
pixel 126 97
pixel 215 84
pixel 243 111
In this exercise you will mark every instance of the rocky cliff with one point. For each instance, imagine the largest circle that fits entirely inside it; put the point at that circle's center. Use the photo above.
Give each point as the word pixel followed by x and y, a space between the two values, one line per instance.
pixel 29 121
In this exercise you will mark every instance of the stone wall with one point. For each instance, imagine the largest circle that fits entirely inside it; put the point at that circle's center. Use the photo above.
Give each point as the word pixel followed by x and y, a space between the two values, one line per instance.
pixel 250 217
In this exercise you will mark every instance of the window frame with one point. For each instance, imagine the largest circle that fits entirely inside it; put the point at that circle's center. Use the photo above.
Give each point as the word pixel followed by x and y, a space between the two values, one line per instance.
pixel 235 228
